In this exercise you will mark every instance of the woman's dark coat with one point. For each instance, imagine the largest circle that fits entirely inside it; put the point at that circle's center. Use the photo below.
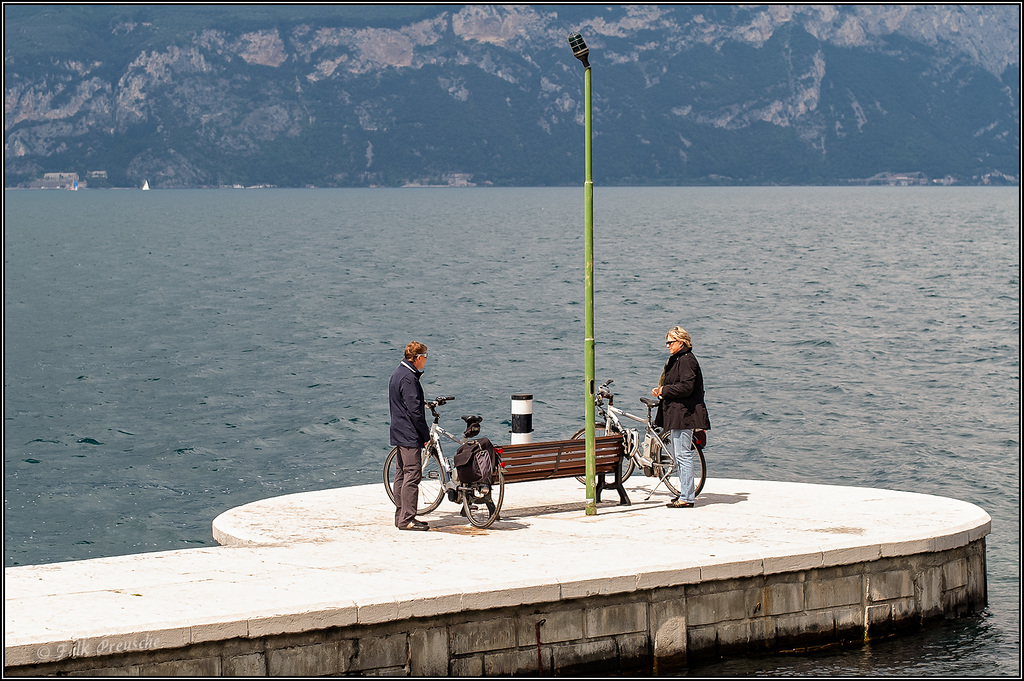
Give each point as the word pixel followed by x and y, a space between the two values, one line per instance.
pixel 682 395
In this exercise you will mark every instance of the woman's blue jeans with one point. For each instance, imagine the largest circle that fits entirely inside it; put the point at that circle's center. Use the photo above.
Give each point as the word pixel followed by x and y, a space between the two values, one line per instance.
pixel 681 442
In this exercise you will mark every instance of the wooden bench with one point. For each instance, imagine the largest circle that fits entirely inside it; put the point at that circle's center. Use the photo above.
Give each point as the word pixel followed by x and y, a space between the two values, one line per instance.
pixel 566 459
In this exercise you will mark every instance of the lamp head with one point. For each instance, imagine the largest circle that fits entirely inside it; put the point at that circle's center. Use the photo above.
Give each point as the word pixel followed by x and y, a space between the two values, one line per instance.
pixel 579 48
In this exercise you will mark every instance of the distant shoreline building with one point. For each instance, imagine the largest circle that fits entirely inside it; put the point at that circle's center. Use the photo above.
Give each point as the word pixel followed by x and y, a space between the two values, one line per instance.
pixel 58 181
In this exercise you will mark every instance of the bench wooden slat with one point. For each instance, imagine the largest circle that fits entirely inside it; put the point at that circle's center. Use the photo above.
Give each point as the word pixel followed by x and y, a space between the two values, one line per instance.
pixel 541 460
pixel 563 454
pixel 562 459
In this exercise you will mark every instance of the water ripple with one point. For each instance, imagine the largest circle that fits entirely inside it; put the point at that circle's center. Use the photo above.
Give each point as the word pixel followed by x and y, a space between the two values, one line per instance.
pixel 169 355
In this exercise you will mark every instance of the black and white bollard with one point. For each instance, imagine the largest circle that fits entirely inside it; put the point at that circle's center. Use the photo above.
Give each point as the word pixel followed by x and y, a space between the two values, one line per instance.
pixel 522 419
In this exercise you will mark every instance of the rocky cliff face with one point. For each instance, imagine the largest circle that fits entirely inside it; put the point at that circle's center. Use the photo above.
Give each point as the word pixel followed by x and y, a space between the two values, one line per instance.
pixel 682 94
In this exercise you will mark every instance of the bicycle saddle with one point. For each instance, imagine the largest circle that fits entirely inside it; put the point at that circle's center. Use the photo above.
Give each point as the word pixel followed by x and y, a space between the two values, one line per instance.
pixel 472 426
pixel 649 402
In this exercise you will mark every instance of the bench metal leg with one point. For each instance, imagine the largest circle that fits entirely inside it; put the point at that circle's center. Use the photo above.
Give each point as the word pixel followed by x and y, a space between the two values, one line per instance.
pixel 623 497
pixel 617 485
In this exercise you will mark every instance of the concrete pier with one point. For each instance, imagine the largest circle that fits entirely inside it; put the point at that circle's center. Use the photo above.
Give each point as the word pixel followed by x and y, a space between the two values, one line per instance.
pixel 322 583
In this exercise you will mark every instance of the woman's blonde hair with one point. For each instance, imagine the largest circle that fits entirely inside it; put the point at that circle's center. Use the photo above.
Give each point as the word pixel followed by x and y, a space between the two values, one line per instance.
pixel 414 348
pixel 678 333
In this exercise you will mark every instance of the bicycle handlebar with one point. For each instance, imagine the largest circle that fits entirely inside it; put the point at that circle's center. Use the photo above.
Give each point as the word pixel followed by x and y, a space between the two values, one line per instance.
pixel 603 393
pixel 434 404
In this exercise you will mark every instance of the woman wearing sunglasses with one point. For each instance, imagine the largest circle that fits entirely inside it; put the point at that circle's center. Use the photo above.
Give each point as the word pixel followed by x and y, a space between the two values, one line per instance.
pixel 682 408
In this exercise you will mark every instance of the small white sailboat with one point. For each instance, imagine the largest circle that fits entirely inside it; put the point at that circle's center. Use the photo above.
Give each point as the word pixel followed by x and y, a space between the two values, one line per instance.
pixel 145 185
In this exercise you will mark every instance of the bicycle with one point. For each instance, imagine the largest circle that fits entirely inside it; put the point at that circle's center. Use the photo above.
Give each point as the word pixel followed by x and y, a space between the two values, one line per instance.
pixel 651 455
pixel 440 478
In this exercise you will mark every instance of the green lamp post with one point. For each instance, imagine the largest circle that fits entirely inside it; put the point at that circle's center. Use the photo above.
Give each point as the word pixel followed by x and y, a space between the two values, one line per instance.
pixel 581 52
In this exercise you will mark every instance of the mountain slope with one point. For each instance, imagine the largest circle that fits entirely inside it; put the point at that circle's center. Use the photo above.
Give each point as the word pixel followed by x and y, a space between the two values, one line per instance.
pixel 340 95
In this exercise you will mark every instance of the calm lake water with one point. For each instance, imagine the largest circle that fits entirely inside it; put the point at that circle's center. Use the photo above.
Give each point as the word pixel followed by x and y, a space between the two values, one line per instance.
pixel 169 355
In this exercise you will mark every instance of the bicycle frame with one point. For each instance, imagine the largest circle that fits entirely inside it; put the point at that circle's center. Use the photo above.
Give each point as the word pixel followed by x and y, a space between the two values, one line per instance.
pixel 436 431
pixel 613 424
pixel 631 436
pixel 435 442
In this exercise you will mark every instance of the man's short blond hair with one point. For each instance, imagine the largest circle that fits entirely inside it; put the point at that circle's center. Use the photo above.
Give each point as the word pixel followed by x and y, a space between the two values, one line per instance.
pixel 414 348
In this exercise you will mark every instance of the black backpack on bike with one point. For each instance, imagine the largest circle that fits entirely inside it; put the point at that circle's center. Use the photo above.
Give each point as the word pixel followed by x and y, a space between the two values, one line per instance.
pixel 475 460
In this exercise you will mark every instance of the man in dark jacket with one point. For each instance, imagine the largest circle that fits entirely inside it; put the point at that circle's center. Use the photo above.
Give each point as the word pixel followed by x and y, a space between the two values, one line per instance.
pixel 410 433
pixel 682 408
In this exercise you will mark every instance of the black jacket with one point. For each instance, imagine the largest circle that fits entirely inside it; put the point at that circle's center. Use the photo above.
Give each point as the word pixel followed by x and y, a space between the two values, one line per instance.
pixel 405 394
pixel 682 395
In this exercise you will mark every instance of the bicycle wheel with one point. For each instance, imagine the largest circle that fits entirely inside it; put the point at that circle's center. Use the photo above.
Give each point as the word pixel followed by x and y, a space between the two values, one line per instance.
pixel 480 505
pixel 700 469
pixel 432 483
pixel 389 474
pixel 627 465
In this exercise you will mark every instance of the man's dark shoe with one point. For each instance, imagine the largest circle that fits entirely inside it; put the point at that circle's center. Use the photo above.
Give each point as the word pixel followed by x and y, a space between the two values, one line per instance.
pixel 415 525
pixel 675 503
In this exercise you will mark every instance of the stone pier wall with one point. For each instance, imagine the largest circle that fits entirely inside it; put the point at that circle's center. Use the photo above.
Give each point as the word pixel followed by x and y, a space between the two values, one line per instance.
pixel 643 631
